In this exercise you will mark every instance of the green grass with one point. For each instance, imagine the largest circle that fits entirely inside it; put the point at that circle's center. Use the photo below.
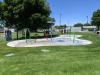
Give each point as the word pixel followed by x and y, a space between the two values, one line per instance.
pixel 61 60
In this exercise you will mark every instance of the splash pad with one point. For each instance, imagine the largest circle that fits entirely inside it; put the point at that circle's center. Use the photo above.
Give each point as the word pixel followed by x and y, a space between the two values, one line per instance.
pixel 62 40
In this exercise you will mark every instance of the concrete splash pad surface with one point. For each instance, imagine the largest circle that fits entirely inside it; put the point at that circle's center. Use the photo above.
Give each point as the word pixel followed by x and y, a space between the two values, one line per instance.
pixel 62 40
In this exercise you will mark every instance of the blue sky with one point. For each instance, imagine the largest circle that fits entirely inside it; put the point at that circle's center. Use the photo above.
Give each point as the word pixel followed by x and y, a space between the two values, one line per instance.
pixel 73 11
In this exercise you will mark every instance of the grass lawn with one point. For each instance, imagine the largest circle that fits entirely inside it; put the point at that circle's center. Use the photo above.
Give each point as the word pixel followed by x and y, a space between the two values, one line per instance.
pixel 61 60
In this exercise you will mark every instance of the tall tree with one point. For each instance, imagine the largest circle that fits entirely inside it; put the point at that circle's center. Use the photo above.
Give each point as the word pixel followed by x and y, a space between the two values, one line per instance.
pixel 96 19
pixel 78 25
pixel 87 24
pixel 40 15
pixel 21 14
pixel 61 26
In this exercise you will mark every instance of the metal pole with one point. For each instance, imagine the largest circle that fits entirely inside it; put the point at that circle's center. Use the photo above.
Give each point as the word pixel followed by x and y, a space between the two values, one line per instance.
pixel 70 33
pixel 87 19
pixel 60 19
pixel 25 36
pixel 74 38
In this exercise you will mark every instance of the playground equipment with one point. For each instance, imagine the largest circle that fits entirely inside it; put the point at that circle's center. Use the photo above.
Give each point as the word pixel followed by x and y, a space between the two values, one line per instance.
pixel 46 34
pixel 35 37
pixel 8 35
pixel 62 40
pixel 27 35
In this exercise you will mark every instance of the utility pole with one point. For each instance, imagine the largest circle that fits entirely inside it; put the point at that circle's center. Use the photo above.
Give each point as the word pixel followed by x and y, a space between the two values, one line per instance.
pixel 60 19
pixel 87 19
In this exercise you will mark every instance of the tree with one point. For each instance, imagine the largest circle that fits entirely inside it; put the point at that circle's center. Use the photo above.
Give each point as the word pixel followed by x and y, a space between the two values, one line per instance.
pixel 28 13
pixel 61 26
pixel 32 14
pixel 78 25
pixel 8 15
pixel 40 16
pixel 50 23
pixel 96 19
pixel 87 24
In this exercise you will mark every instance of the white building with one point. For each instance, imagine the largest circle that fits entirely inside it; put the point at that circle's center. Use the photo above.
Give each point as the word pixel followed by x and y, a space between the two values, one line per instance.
pixel 74 29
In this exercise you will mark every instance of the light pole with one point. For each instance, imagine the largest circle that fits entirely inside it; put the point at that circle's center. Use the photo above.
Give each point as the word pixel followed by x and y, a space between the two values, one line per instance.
pixel 60 19
pixel 87 19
